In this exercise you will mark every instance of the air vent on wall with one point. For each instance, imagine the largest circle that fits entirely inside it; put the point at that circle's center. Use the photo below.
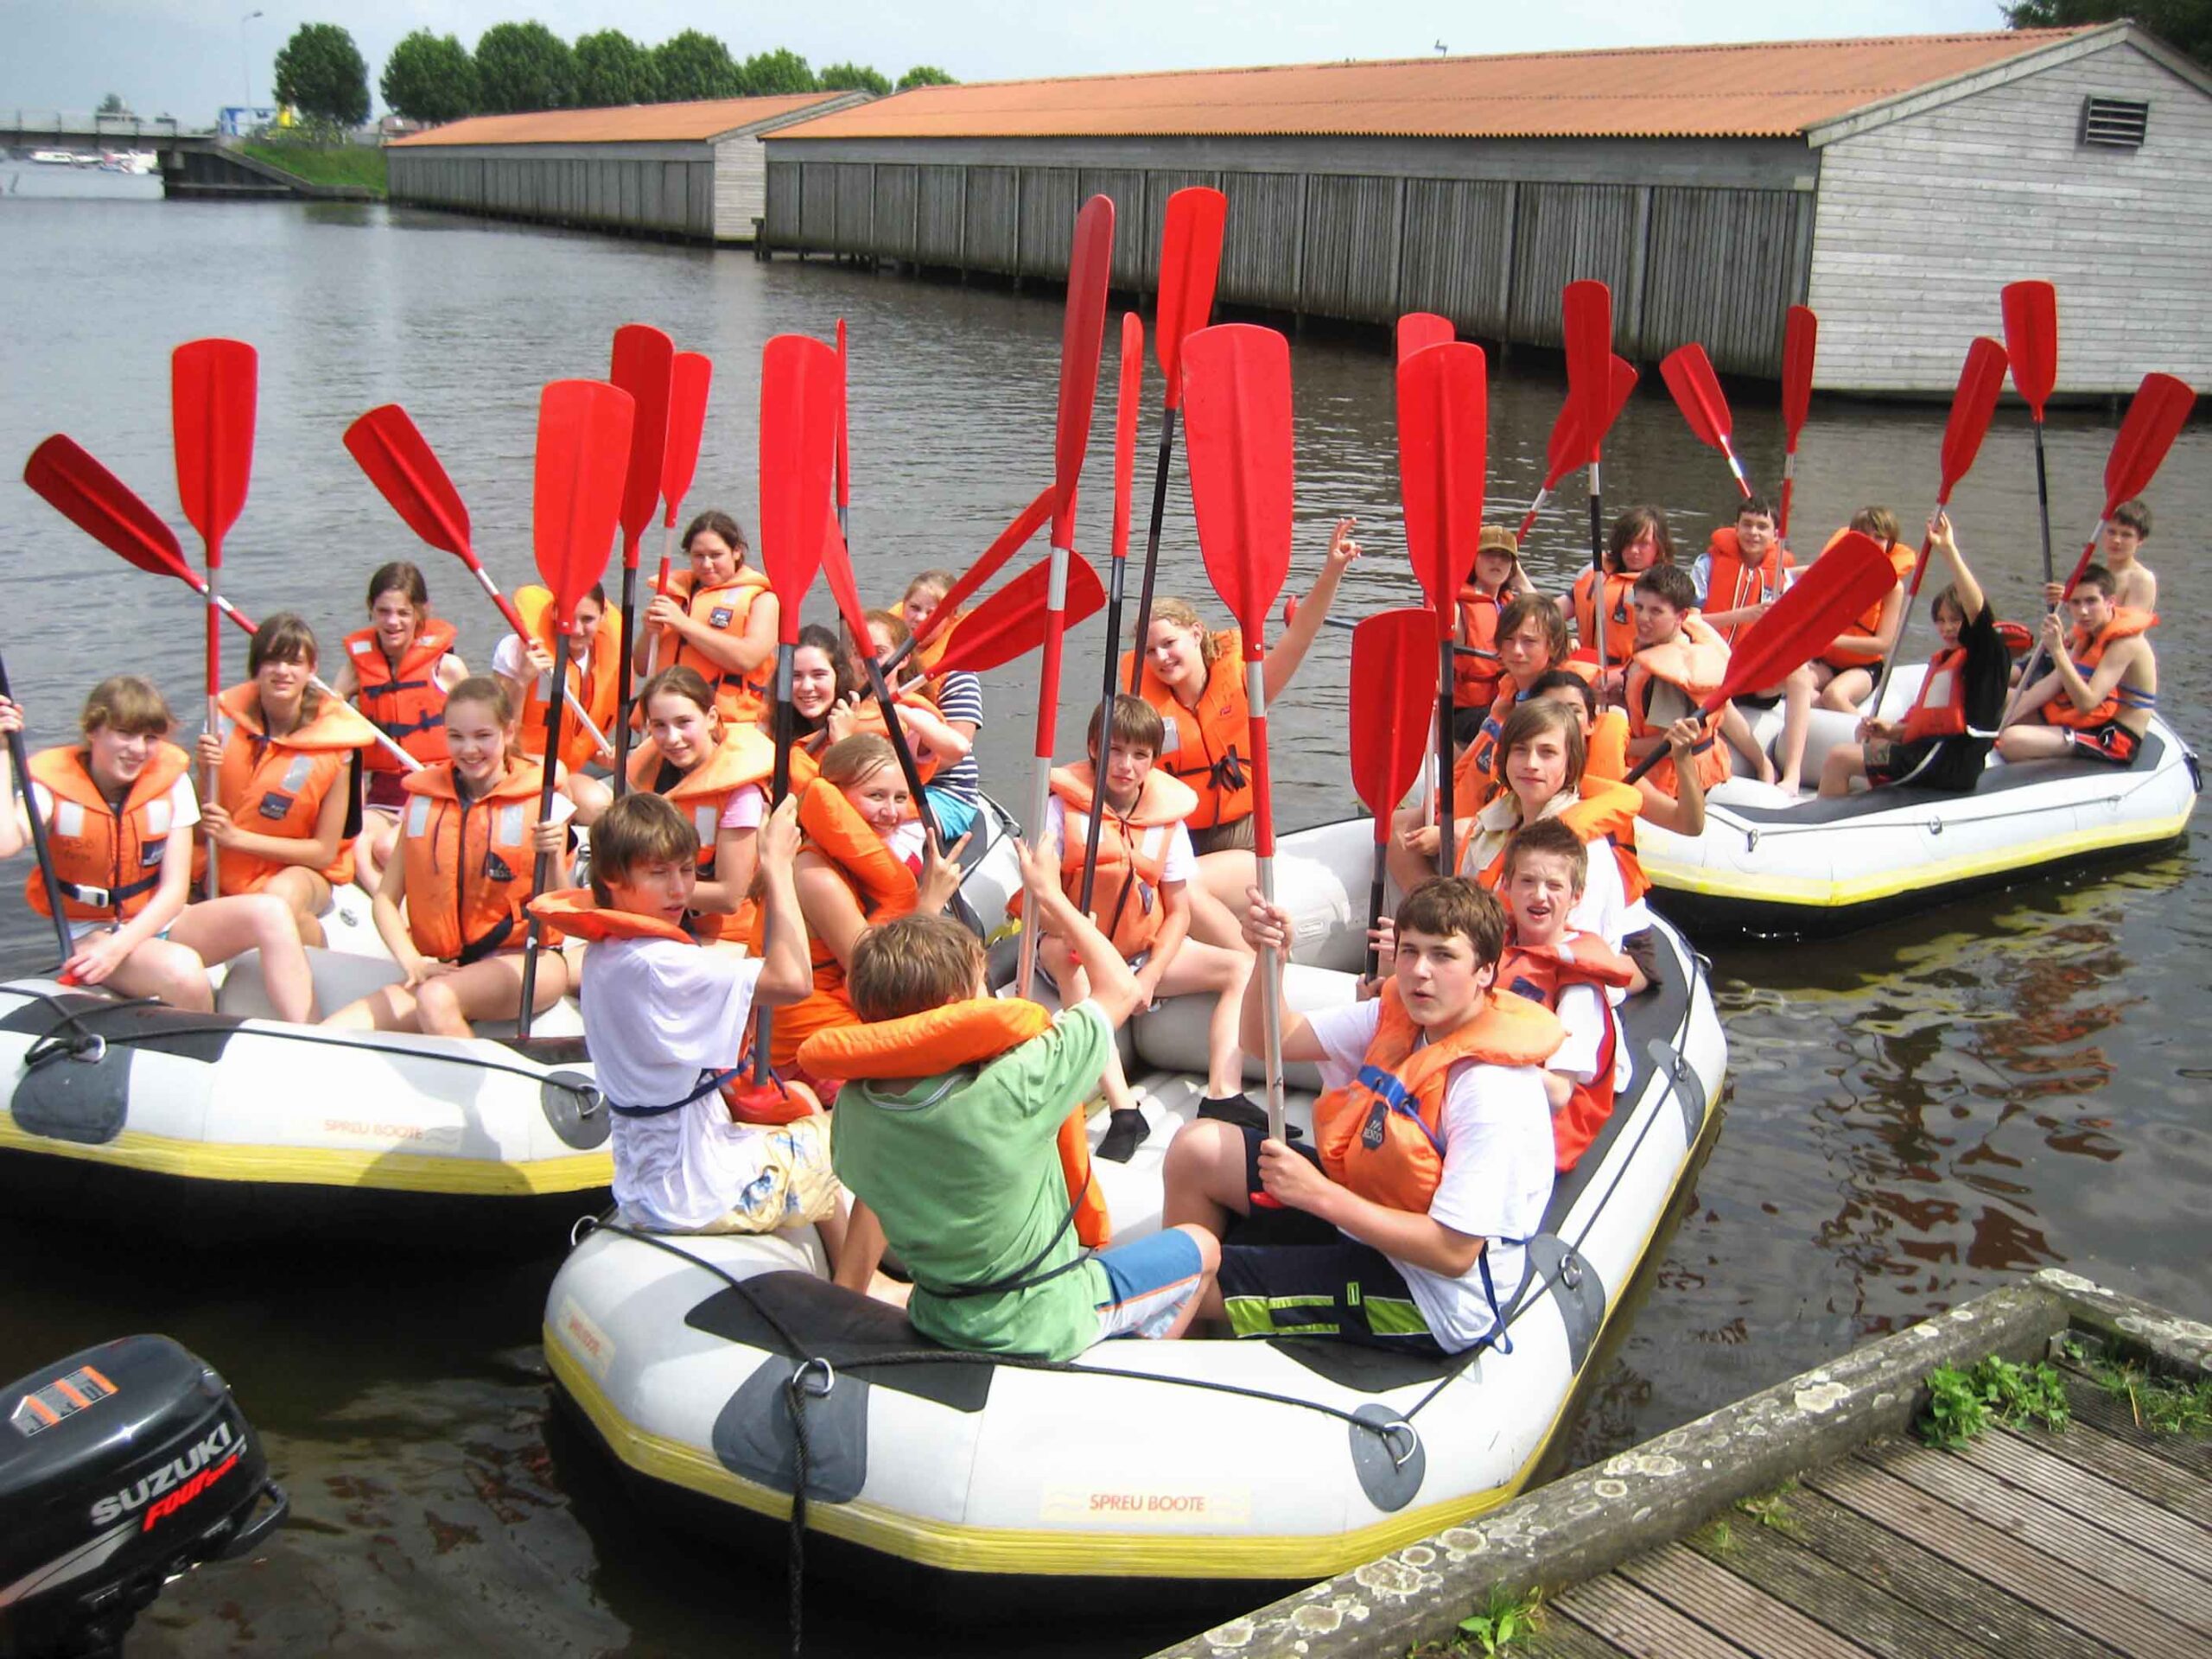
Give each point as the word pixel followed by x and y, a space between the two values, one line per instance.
pixel 2114 122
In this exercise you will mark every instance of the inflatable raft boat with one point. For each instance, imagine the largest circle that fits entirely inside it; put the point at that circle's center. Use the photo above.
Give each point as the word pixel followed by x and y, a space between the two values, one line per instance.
pixel 966 1480
pixel 1770 865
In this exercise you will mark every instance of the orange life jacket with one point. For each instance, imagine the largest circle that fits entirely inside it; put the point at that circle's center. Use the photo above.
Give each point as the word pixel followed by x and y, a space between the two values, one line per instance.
pixel 726 609
pixel 957 1036
pixel 926 657
pixel 1606 750
pixel 703 794
pixel 1902 559
pixel 1211 751
pixel 1939 710
pixel 1695 663
pixel 276 786
pixel 1132 852
pixel 1383 1134
pixel 2086 652
pixel 596 684
pixel 403 700
pixel 1620 616
pixel 869 717
pixel 109 864
pixel 1603 816
pixel 1733 585
pixel 1474 679
pixel 574 913
pixel 469 863
pixel 1541 973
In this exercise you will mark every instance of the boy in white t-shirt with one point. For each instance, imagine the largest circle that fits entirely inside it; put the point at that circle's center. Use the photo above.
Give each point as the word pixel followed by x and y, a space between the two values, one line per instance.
pixel 1433 1157
pixel 1140 899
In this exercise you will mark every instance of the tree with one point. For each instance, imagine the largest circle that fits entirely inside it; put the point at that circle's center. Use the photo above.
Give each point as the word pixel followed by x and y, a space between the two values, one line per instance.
pixel 693 65
pixel 611 68
pixel 320 72
pixel 924 74
pixel 429 78
pixel 523 67
pixel 854 77
pixel 113 104
pixel 780 71
pixel 2185 25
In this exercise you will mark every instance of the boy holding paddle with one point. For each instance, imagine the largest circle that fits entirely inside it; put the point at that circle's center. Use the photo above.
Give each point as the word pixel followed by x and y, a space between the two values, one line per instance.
pixel 2136 586
pixel 2096 702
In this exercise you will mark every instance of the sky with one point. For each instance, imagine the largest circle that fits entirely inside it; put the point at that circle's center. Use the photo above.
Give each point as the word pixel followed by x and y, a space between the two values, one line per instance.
pixel 189 58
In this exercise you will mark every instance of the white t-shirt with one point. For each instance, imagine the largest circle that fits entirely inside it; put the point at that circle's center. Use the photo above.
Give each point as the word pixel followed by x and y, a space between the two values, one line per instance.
pixel 182 805
pixel 657 1014
pixel 1604 909
pixel 1497 1171
pixel 1582 1011
pixel 1180 864
pixel 508 663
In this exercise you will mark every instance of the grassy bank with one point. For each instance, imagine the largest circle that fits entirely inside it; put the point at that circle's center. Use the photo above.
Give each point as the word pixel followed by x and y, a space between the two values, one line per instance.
pixel 346 164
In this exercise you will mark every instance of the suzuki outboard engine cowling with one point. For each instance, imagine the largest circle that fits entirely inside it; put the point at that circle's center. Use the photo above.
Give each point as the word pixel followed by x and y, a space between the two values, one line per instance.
pixel 120 1468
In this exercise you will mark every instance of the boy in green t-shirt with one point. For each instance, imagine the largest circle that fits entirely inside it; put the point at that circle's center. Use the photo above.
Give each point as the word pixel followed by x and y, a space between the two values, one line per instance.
pixel 961 1168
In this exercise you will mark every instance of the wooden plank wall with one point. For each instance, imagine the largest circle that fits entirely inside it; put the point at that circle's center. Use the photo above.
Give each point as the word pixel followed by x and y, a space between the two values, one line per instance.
pixel 1716 265
pixel 1949 206
pixel 666 197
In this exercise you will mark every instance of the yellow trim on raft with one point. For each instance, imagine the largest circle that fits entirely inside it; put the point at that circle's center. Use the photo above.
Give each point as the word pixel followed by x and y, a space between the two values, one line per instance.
pixel 1752 887
pixel 393 1171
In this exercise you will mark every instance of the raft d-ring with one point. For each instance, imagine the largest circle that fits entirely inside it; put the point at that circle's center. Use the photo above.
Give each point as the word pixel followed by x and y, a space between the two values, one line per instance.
pixel 1570 1270
pixel 584 1226
pixel 91 1050
pixel 1389 1433
pixel 798 1383
pixel 1935 826
pixel 1751 839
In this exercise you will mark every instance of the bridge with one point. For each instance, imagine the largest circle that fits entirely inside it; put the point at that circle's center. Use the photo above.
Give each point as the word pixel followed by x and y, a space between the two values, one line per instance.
pixel 199 163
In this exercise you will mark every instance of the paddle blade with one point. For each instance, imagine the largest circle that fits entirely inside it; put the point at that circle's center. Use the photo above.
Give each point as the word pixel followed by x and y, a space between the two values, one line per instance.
pixel 104 507
pixel 1842 583
pixel 2154 419
pixel 583 452
pixel 2032 341
pixel 1237 393
pixel 1009 542
pixel 644 365
pixel 1393 704
pixel 1565 448
pixel 1801 332
pixel 1689 374
pixel 400 462
pixel 844 422
pixel 1419 330
pixel 837 569
pixel 1586 325
pixel 1190 265
pixel 212 396
pixel 691 374
pixel 1083 333
pixel 1443 446
pixel 1125 429
pixel 1013 621
pixel 1980 381
pixel 802 392
pixel 1620 381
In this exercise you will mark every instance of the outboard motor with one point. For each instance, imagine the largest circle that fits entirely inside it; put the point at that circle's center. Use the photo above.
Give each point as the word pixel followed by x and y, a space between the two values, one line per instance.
pixel 120 1467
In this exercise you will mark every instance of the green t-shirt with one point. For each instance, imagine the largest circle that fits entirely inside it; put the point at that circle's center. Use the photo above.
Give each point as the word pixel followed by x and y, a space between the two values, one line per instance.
pixel 963 1170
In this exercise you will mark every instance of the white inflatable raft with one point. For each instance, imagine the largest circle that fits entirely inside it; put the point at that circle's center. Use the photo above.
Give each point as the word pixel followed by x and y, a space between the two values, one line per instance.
pixel 1767 864
pixel 1195 1461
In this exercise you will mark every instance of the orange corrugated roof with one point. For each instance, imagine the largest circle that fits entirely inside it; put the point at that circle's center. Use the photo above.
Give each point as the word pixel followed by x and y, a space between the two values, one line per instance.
pixel 625 123
pixel 1772 90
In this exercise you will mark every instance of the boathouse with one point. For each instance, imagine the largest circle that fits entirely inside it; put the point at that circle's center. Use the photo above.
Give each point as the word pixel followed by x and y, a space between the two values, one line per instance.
pixel 1894 184
pixel 692 170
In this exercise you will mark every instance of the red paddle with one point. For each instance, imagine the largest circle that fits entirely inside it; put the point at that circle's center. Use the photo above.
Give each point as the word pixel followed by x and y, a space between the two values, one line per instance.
pixel 1010 541
pixel 1689 374
pixel 1125 456
pixel 1840 584
pixel 1012 622
pixel 583 450
pixel 690 376
pixel 2155 417
pixel 400 462
pixel 1237 381
pixel 1443 446
pixel 2031 343
pixel 644 366
pixel 1083 329
pixel 1971 405
pixel 802 391
pixel 1393 701
pixel 844 429
pixel 212 391
pixel 1190 263
pixel 837 567
pixel 1419 330
pixel 1586 328
pixel 1800 332
pixel 1563 452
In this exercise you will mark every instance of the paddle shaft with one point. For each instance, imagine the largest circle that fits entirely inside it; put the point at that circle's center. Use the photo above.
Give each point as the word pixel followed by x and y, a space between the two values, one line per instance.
pixel 214 885
pixel 522 633
pixel 2031 673
pixel 1377 876
pixel 1445 821
pixel 1598 605
pixel 660 591
pixel 1048 711
pixel 19 759
pixel 1347 624
pixel 1151 549
pixel 2042 504
pixel 1911 593
pixel 1528 518
pixel 624 679
pixel 1788 483
pixel 542 873
pixel 1099 730
pixel 1263 821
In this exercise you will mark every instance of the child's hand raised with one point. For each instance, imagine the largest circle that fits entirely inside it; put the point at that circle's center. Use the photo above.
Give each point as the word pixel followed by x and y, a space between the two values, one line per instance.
pixel 1342 548
pixel 941 876
pixel 777 842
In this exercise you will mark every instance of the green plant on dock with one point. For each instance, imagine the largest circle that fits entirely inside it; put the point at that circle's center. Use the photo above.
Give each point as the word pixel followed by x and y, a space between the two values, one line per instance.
pixel 1963 1403
pixel 1771 1510
pixel 1505 1620
pixel 2159 1404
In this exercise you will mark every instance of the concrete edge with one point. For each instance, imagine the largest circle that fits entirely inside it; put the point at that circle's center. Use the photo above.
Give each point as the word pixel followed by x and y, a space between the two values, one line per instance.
pixel 2168 1341
pixel 1591 1521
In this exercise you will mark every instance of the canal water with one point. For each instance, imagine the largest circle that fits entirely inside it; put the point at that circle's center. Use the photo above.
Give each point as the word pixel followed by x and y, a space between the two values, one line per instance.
pixel 1918 1112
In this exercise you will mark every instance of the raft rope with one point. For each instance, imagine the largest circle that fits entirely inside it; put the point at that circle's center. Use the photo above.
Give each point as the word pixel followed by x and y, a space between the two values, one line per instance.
pixel 1755 833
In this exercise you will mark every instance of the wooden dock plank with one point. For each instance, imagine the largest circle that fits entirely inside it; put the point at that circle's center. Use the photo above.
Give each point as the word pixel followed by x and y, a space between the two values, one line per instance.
pixel 1874 1556
pixel 1836 1596
pixel 2095 1498
pixel 1640 1624
pixel 1559 1638
pixel 2144 1473
pixel 2040 1581
pixel 2112 1414
pixel 1735 1608
pixel 2146 1578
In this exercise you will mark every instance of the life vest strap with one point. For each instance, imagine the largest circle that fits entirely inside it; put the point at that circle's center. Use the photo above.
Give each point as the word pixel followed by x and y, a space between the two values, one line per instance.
pixel 476 949
pixel 708 1083
pixel 1391 1096
pixel 109 898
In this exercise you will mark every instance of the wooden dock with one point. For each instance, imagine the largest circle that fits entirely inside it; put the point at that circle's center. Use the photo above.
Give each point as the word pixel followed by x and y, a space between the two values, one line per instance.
pixel 2095 1540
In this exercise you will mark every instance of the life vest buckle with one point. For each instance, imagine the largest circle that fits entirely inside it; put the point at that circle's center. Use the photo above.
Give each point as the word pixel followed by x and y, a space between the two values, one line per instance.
pixel 97 897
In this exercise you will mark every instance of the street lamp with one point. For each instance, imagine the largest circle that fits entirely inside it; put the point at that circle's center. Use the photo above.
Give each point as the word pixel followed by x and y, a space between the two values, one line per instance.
pixel 245 61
